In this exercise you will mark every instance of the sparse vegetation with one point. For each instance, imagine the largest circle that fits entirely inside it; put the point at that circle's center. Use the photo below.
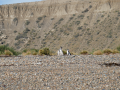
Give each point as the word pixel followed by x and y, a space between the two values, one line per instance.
pixel 90 6
pixel 76 35
pixel 27 22
pixel 15 31
pixel 39 18
pixel 61 19
pixel 79 28
pixel 26 30
pixel 19 36
pixel 77 22
pixel 81 16
pixel 86 10
pixel 73 14
pixel 15 19
pixel 98 21
pixel 102 16
pixel 71 18
pixel 52 18
pixel 5 50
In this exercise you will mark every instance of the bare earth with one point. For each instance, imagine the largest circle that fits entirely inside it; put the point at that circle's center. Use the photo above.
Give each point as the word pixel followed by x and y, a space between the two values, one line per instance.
pixel 84 72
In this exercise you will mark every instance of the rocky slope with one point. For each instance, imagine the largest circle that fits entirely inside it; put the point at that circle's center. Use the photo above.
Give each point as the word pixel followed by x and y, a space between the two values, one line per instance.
pixel 73 24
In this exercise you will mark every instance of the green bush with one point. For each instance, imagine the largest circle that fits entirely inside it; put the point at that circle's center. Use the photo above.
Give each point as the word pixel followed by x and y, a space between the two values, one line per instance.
pixel 64 52
pixel 3 48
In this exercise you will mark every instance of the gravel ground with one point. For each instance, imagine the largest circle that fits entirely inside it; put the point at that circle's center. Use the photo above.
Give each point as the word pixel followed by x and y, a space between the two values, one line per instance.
pixel 84 72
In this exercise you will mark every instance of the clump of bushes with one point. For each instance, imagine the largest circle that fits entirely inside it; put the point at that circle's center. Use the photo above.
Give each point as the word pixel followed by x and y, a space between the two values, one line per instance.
pixel 98 52
pixel 84 52
pixel 44 51
pixel 107 51
pixel 5 50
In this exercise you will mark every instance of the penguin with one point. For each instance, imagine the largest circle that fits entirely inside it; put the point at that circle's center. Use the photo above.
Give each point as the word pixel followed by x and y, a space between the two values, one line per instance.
pixel 68 53
pixel 60 52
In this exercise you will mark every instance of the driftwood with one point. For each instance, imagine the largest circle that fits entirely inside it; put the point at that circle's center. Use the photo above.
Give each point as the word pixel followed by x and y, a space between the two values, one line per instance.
pixel 110 64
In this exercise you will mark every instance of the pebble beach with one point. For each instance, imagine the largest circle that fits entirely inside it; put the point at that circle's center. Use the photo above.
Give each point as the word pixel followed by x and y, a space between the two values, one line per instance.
pixel 75 72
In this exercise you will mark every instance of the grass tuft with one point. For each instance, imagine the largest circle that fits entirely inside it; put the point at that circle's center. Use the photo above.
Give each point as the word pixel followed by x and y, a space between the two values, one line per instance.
pixel 98 52
pixel 8 53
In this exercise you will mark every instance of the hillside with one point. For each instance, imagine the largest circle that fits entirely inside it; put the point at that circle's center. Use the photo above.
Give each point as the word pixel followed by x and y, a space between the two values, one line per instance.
pixel 73 24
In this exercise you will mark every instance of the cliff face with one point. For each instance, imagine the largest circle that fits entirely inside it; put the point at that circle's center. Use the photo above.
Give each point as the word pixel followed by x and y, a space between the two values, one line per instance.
pixel 71 23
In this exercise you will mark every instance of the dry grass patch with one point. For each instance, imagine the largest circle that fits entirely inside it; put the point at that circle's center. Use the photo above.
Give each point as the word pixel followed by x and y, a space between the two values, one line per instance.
pixel 115 51
pixel 98 52
pixel 7 52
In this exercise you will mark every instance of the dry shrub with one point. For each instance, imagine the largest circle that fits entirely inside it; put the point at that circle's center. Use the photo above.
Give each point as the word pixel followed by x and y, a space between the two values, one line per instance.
pixel 84 52
pixel 44 51
pixel 115 51
pixel 98 52
pixel 34 52
pixel 107 51
pixel 7 52
pixel 40 52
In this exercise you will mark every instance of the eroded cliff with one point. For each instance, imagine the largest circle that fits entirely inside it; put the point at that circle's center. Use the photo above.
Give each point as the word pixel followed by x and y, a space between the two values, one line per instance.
pixel 73 24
